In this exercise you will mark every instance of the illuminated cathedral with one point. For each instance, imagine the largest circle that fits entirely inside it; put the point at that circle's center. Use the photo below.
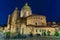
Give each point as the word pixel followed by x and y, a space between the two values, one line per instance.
pixel 26 22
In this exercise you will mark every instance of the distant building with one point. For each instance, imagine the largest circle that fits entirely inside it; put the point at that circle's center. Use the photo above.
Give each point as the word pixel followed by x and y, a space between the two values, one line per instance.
pixel 24 22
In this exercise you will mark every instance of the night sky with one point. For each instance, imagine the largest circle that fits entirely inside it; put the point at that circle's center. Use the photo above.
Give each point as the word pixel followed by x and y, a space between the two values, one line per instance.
pixel 49 8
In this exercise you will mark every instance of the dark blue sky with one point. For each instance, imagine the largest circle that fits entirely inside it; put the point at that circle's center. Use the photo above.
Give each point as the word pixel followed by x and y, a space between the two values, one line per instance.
pixel 49 8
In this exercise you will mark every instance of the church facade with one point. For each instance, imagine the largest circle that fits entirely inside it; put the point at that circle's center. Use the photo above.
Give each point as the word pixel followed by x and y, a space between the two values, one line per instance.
pixel 24 22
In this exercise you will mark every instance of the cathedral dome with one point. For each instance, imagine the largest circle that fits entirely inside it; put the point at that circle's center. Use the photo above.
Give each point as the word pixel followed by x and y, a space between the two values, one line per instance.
pixel 26 11
pixel 26 7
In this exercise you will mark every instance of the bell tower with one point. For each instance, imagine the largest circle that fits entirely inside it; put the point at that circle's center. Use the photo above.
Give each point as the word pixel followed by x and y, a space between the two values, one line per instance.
pixel 25 11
